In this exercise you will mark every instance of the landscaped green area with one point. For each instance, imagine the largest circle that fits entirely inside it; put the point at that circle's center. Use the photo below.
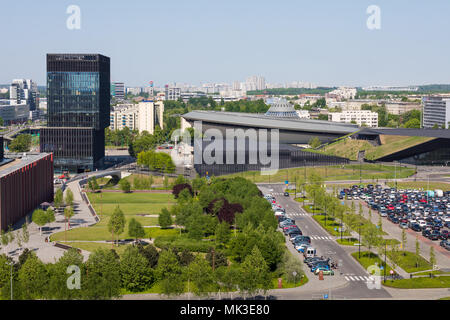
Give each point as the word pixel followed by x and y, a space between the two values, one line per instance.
pixel 409 261
pixel 131 204
pixel 419 283
pixel 421 185
pixel 137 182
pixel 349 148
pixel 227 239
pixel 347 241
pixel 331 226
pixel 92 246
pixel 330 173
pixel 435 272
pixel 368 259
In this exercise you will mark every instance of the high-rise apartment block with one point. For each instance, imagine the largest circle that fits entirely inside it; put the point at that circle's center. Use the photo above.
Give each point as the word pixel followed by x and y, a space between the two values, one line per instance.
pixel 118 90
pixel 24 91
pixel 78 104
pixel 172 93
pixel 150 114
pixel 436 112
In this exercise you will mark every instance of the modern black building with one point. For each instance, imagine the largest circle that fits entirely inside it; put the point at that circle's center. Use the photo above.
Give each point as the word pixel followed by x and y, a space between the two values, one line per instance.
pixel 433 151
pixel 234 158
pixel 78 103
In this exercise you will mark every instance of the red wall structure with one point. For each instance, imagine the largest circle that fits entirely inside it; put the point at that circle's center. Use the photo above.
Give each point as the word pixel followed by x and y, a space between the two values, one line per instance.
pixel 24 189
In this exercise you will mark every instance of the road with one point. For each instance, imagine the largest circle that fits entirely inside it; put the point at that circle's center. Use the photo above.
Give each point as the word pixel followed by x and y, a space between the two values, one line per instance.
pixel 351 278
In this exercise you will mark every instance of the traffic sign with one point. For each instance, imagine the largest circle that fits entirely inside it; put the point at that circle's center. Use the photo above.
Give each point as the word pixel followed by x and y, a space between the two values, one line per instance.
pixel 286 182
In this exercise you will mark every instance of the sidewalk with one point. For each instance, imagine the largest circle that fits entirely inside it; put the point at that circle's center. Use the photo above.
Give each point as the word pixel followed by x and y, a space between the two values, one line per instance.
pixel 46 251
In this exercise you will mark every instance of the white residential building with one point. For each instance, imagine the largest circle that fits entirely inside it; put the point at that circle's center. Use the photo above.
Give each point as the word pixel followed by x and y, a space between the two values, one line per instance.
pixel 149 90
pixel 150 114
pixel 172 93
pixel 143 116
pixel 360 117
pixel 134 91
pixel 24 91
pixel 436 111
pixel 124 115
pixel 342 93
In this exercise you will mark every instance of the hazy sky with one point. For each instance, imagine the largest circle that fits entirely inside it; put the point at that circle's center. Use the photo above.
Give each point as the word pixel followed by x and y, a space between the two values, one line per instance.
pixel 325 42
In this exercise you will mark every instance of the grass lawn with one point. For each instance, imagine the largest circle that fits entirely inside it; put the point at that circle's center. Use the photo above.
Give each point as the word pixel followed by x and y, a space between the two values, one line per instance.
pixel 369 258
pixel 349 148
pixel 419 283
pixel 330 173
pixel 156 232
pixel 392 241
pixel 407 261
pixel 420 184
pixel 392 144
pixel 365 222
pixel 110 184
pixel 131 204
pixel 330 226
pixel 309 208
pixel 432 272
pixel 286 284
pixel 129 208
pixel 92 246
pixel 121 198
pixel 347 241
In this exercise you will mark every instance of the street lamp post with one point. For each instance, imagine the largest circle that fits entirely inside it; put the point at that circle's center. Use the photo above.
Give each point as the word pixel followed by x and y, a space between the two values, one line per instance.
pixel 359 241
pixel 385 252
pixel 360 178
pixel 395 177
pixel 11 264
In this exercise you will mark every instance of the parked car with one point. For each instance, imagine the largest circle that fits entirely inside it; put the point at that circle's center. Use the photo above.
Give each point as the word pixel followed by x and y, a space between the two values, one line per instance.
pixel 434 235
pixel 302 238
pixel 403 225
pixel 325 271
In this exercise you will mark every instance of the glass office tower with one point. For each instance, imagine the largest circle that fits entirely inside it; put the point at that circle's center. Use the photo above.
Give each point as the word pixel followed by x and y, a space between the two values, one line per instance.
pixel 78 103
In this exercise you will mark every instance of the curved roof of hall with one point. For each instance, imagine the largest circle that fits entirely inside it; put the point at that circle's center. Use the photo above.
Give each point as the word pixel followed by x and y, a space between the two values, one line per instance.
pixel 263 121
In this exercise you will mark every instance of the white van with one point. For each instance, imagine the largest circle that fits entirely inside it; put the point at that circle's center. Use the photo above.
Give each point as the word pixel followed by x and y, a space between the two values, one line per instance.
pixel 309 252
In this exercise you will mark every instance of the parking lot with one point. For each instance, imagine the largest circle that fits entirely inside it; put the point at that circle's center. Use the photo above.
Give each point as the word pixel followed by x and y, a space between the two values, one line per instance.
pixel 425 214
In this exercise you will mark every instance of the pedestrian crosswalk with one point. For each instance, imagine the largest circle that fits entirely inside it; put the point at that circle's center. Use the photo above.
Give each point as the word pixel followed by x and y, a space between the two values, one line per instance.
pixel 351 277
pixel 297 214
pixel 325 238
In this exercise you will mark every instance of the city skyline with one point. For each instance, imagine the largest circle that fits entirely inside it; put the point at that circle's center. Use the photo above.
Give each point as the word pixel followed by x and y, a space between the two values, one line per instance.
pixel 324 43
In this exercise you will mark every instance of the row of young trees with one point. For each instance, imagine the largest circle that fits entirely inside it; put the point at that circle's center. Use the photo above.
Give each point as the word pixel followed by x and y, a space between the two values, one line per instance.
pixel 156 161
pixel 106 274
pixel 371 235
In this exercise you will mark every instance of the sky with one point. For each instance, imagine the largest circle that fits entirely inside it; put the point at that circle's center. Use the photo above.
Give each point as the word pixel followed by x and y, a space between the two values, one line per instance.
pixel 326 42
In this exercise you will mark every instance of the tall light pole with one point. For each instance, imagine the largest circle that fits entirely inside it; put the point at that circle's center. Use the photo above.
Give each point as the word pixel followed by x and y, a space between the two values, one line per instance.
pixel 359 241
pixel 395 177
pixel 385 266
pixel 11 264
pixel 360 178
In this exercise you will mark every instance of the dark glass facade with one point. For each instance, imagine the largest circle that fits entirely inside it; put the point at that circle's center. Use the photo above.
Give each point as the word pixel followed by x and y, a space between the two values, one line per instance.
pixel 78 102
pixel 288 157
